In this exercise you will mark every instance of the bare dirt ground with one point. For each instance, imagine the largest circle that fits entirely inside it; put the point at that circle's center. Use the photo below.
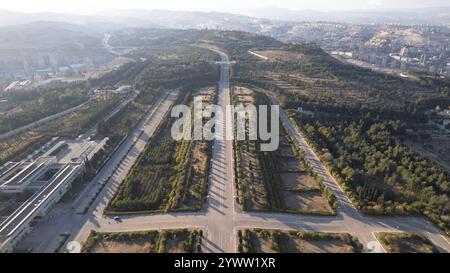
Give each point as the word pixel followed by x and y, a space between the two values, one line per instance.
pixel 136 246
pixel 286 151
pixel 284 141
pixel 175 246
pixel 298 245
pixel 299 191
pixel 406 243
pixel 410 36
pixel 262 245
pixel 273 241
pixel 167 241
pixel 282 55
pixel 300 181
pixel 311 201
pixel 290 165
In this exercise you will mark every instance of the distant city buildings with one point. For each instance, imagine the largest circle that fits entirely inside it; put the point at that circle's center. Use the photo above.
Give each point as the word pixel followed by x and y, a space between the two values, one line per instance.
pixel 404 48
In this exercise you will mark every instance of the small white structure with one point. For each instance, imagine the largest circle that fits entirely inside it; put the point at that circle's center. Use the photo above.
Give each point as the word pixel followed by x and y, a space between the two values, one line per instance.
pixel 123 89
pixel 258 55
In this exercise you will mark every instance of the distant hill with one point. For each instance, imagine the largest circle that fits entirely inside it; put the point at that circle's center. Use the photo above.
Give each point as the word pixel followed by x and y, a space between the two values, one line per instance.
pixel 437 16
pixel 188 19
pixel 110 20
pixel 233 41
pixel 48 35
pixel 95 23
pixel 37 39
pixel 40 45
pixel 250 20
pixel 17 18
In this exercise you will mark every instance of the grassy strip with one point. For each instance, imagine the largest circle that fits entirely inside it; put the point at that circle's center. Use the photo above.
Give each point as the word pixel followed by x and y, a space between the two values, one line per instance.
pixel 190 239
pixel 280 239
pixel 406 242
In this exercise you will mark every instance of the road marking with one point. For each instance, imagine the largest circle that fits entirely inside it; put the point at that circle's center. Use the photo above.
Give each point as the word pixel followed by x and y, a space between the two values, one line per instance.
pixel 445 238
pixel 256 220
pixel 380 244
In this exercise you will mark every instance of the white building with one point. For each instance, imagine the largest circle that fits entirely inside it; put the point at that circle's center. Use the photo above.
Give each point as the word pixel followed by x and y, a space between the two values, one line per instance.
pixel 16 226
pixel 68 161
pixel 26 173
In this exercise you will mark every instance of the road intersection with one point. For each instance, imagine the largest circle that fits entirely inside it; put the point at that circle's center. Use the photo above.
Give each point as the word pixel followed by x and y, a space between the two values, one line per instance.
pixel 218 219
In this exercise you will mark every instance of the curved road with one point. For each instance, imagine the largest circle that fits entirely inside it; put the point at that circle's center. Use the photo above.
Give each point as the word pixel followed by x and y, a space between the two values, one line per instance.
pixel 219 219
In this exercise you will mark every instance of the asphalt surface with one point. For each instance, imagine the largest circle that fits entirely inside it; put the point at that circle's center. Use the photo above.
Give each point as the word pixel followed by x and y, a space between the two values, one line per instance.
pixel 66 218
pixel 14 222
pixel 219 219
pixel 220 201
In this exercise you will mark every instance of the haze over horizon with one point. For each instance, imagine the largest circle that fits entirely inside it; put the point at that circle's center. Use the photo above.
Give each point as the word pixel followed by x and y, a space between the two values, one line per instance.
pixel 86 7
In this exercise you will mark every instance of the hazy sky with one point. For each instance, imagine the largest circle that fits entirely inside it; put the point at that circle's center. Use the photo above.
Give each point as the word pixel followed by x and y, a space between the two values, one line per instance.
pixel 86 6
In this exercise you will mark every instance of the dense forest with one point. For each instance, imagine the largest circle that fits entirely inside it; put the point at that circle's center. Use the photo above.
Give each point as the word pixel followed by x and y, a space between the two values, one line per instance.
pixel 317 80
pixel 358 122
pixel 46 103
pixel 381 174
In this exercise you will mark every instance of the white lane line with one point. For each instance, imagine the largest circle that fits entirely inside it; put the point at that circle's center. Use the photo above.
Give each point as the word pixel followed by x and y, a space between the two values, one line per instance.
pixel 445 238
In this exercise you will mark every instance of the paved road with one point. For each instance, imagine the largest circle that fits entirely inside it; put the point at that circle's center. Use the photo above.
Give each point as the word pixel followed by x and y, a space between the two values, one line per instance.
pixel 219 219
pixel 107 46
pixel 220 204
pixel 361 226
pixel 65 219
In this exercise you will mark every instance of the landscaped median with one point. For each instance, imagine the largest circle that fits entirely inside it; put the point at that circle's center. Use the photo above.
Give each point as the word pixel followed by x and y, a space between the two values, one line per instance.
pixel 401 242
pixel 278 241
pixel 277 181
pixel 152 241
pixel 168 175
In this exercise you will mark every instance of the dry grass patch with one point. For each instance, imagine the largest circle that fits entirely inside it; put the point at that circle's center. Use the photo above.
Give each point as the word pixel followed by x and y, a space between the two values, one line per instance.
pixel 277 241
pixel 139 242
pixel 307 202
pixel 406 243
pixel 282 55
pixel 166 241
pixel 298 181
pixel 290 165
